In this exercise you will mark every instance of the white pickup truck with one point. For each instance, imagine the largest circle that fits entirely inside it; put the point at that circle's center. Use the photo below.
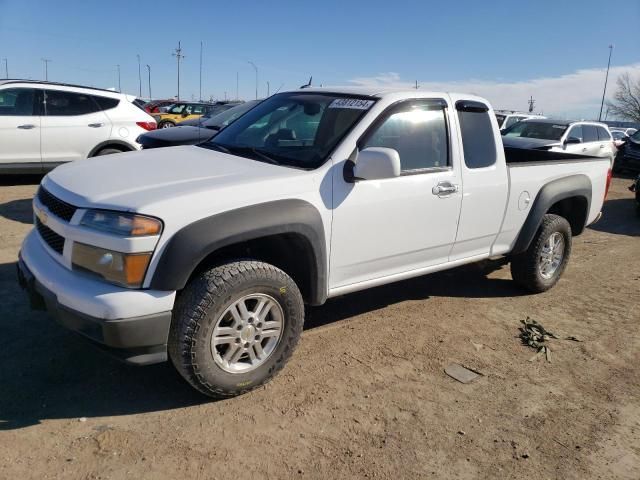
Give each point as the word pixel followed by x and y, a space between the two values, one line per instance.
pixel 207 254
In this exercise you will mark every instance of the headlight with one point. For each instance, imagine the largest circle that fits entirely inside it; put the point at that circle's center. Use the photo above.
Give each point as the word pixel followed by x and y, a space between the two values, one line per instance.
pixel 125 269
pixel 120 223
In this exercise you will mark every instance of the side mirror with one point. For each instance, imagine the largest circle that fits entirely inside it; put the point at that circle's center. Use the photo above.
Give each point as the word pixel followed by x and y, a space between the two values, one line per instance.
pixel 572 140
pixel 377 163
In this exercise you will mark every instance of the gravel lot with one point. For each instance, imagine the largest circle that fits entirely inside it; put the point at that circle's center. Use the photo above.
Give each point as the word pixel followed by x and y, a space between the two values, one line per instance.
pixel 365 394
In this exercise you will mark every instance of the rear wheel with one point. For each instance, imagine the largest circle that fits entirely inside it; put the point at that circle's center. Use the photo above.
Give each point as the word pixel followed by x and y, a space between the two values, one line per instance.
pixel 235 326
pixel 166 124
pixel 107 151
pixel 539 268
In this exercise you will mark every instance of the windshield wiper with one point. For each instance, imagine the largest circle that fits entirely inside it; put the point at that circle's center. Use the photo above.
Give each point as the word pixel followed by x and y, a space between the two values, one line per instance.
pixel 216 146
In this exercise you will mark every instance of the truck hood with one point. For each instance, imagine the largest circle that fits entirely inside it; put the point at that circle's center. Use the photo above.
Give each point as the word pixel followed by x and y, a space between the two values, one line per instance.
pixel 530 143
pixel 140 181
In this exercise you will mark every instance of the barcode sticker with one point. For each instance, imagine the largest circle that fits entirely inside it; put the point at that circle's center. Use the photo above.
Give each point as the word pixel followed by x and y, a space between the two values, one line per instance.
pixel 354 103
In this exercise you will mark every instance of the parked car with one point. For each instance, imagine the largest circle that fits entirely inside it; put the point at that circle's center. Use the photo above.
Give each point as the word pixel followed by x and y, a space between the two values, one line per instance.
pixel 635 188
pixel 619 137
pixel 582 138
pixel 627 131
pixel 180 112
pixel 44 124
pixel 507 118
pixel 156 105
pixel 206 255
pixel 193 135
pixel 628 157
pixel 210 112
pixel 138 102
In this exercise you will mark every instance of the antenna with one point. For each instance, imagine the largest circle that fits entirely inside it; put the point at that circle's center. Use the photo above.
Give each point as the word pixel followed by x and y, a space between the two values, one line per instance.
pixel 308 84
pixel 46 68
pixel 531 103
pixel 178 54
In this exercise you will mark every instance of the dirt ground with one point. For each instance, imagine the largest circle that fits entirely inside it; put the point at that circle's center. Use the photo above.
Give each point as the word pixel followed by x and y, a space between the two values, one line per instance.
pixel 365 395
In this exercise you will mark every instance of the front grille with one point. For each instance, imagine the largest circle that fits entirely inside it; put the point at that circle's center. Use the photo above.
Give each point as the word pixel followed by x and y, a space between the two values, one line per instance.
pixel 51 238
pixel 56 206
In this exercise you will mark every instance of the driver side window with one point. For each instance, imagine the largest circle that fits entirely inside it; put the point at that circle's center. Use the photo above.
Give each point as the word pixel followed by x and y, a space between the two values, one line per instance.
pixel 576 132
pixel 417 130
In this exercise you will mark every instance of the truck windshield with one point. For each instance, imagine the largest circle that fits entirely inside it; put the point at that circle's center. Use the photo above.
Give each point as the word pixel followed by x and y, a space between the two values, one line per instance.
pixel 296 129
pixel 541 130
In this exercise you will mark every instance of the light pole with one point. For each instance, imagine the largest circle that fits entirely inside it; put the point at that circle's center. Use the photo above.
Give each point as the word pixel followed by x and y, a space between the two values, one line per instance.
pixel 119 86
pixel 606 78
pixel 46 69
pixel 6 68
pixel 149 71
pixel 179 56
pixel 139 78
pixel 256 69
pixel 200 94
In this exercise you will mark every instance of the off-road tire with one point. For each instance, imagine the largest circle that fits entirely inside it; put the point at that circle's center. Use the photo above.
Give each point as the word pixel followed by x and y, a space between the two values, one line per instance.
pixel 524 266
pixel 199 306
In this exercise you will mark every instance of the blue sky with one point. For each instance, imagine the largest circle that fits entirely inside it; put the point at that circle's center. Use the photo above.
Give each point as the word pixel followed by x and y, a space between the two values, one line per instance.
pixel 463 43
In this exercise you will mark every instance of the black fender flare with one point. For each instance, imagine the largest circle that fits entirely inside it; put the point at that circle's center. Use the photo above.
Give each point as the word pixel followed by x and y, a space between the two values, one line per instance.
pixel 111 143
pixel 549 194
pixel 192 244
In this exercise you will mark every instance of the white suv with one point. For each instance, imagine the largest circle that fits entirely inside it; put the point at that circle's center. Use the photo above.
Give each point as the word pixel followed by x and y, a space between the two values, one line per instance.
pixel 45 124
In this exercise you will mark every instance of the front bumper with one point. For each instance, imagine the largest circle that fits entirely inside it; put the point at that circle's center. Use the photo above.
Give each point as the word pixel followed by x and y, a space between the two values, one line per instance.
pixel 138 339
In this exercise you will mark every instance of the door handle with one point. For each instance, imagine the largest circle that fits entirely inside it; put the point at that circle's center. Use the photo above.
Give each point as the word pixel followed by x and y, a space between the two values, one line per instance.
pixel 26 127
pixel 444 189
pixel 584 149
pixel 95 125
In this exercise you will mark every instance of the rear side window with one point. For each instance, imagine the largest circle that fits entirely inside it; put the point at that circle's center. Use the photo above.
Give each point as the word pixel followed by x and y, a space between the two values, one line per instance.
pixel 64 104
pixel 105 103
pixel 590 133
pixel 17 102
pixel 478 140
pixel 603 135
pixel 417 130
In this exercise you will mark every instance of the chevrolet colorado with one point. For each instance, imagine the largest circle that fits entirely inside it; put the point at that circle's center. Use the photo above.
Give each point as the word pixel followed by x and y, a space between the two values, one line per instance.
pixel 206 255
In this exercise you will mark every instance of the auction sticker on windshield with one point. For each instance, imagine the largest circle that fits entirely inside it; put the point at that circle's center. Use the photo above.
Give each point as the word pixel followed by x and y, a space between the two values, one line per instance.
pixel 355 103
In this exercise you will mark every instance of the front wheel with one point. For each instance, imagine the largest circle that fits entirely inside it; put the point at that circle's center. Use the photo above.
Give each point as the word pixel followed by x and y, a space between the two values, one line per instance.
pixel 235 326
pixel 539 267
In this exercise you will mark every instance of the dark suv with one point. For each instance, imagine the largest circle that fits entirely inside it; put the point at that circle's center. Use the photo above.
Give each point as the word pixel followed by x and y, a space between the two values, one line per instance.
pixel 628 157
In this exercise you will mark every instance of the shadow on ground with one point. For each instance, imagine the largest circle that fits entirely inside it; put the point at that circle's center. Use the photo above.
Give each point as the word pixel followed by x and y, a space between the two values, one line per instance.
pixel 10 180
pixel 619 217
pixel 18 210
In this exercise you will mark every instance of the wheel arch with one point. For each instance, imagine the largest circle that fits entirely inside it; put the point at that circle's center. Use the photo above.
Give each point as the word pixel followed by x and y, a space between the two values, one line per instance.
pixel 289 234
pixel 569 197
pixel 119 144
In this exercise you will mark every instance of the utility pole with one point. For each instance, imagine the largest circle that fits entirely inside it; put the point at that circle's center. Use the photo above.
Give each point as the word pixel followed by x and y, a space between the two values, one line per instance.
pixel 46 68
pixel 531 103
pixel 119 87
pixel 139 78
pixel 200 95
pixel 6 69
pixel 149 71
pixel 179 57
pixel 606 78
pixel 256 69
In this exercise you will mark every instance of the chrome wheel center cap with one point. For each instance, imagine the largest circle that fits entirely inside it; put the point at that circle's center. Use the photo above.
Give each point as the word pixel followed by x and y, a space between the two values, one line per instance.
pixel 247 333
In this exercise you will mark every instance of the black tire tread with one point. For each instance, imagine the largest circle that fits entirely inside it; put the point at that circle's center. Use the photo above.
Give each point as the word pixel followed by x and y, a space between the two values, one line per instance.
pixel 191 309
pixel 524 266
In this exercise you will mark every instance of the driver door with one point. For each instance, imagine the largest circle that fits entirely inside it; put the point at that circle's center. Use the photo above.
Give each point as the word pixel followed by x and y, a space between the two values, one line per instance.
pixel 387 227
